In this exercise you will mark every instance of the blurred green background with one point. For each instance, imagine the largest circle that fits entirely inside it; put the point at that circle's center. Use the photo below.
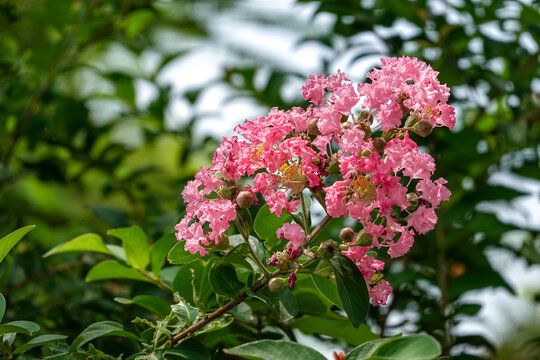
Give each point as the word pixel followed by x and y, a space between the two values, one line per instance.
pixel 107 108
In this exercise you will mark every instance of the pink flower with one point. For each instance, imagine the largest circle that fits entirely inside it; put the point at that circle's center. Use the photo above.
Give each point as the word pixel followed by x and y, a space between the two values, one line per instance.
pixel 344 98
pixel 380 292
pixel 402 246
pixel 423 219
pixel 433 192
pixel 278 201
pixel 292 232
pixel 315 88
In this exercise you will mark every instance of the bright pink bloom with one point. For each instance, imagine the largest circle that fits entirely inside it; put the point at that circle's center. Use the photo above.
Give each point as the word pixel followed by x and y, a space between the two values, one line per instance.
pixel 292 232
pixel 315 88
pixel 423 219
pixel 380 292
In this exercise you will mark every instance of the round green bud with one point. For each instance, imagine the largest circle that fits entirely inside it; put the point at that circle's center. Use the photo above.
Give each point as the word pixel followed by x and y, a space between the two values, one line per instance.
pixel 346 234
pixel 276 284
pixel 244 199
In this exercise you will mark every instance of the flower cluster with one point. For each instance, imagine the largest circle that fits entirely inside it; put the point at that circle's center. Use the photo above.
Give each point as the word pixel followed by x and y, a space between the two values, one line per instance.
pixel 379 175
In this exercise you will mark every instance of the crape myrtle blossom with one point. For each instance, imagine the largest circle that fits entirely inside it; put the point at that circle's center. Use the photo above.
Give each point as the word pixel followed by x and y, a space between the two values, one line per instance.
pixel 380 177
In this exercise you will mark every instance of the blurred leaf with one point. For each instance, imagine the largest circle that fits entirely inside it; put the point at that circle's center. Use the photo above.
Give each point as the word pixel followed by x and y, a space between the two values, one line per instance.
pixel 86 242
pixel 154 304
pixel 110 269
pixel 274 350
pixel 2 306
pixel 159 251
pixel 135 244
pixel 114 217
pixel 10 240
pixel 336 327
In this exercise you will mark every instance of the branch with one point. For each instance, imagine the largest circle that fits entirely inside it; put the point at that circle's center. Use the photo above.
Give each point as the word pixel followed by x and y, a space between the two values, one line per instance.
pixel 218 312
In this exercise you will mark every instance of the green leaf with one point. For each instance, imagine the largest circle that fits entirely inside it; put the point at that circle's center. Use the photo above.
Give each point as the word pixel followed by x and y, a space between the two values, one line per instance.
pixel 414 347
pixel 224 280
pixel 100 329
pixel 328 289
pixel 266 223
pixel 336 327
pixel 365 350
pixel 110 269
pixel 298 213
pixel 274 350
pixel 186 313
pixel 282 304
pixel 256 245
pixel 159 251
pixel 86 242
pixel 2 306
pixel 38 341
pixel 20 326
pixel 352 288
pixel 188 281
pixel 151 303
pixel 219 323
pixel 136 245
pixel 190 350
pixel 178 256
pixel 10 240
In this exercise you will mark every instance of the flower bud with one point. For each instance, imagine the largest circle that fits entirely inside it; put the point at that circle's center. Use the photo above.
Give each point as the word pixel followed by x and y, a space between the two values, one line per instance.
pixel 379 144
pixel 346 234
pixel 327 249
pixel 363 239
pixel 365 153
pixel 346 125
pixel 312 127
pixel 344 247
pixel 276 284
pixel 423 128
pixel 411 121
pixel 227 191
pixel 244 199
pixel 412 198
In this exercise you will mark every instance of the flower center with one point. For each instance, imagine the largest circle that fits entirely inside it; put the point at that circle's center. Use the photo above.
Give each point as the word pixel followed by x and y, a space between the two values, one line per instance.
pixel 364 188
pixel 292 177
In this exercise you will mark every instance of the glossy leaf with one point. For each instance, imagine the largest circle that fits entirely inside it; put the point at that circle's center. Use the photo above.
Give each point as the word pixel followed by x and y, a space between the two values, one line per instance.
pixel 86 242
pixel 328 289
pixel 38 341
pixel 414 347
pixel 100 329
pixel 224 280
pixel 135 244
pixel 352 288
pixel 19 326
pixel 275 350
pixel 10 240
pixel 186 313
pixel 283 305
pixel 178 256
pixel 266 223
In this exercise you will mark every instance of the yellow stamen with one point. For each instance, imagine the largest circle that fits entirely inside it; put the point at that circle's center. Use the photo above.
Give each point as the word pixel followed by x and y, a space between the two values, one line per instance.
pixel 292 177
pixel 364 189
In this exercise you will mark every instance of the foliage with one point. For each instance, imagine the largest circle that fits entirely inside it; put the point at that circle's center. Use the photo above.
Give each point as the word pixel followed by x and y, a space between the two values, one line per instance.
pixel 71 169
